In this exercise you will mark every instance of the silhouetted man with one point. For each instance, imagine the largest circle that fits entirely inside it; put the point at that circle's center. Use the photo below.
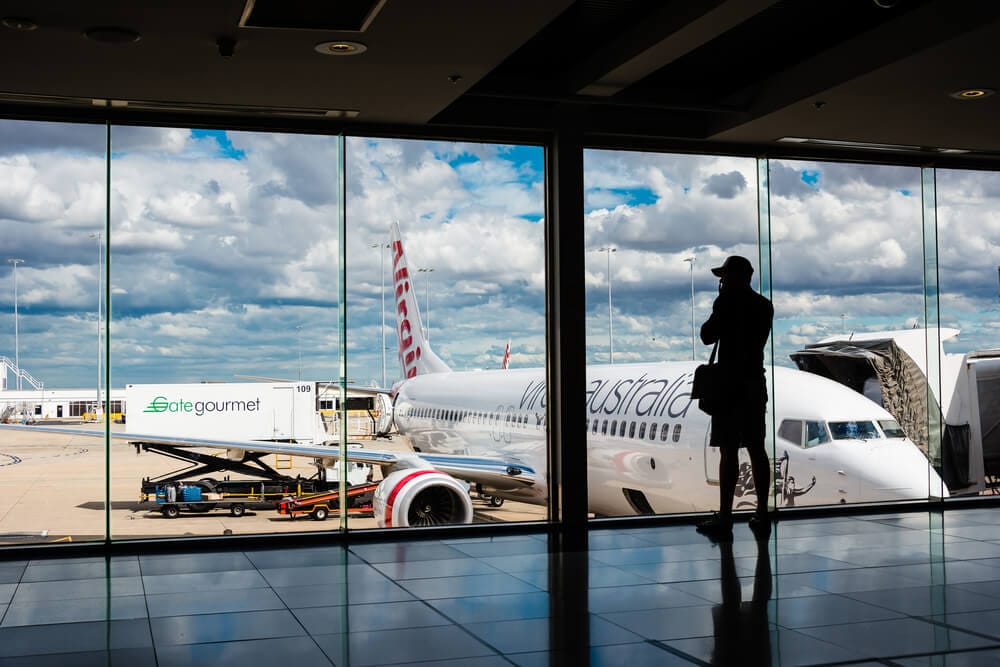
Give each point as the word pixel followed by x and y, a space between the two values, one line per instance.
pixel 740 324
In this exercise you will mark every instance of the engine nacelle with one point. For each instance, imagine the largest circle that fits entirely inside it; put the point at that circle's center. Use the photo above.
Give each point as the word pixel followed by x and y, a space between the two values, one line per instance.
pixel 421 497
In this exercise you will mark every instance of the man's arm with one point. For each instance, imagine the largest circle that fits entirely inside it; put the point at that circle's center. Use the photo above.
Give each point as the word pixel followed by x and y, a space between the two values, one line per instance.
pixel 712 328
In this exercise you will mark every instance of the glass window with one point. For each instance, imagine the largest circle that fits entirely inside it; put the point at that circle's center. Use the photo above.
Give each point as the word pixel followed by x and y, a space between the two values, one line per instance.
pixel 604 427
pixel 677 433
pixel 816 433
pixel 655 224
pixel 791 430
pixel 853 430
pixel 53 316
pixel 891 428
pixel 846 251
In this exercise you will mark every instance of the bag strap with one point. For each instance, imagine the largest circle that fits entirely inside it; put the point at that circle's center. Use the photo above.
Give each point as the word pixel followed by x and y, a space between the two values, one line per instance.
pixel 711 359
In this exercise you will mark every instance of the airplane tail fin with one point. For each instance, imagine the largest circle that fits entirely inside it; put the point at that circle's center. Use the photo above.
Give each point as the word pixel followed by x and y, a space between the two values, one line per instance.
pixel 415 354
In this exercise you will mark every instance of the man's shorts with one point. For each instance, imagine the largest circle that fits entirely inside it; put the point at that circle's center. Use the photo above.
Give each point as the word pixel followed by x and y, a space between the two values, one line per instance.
pixel 742 427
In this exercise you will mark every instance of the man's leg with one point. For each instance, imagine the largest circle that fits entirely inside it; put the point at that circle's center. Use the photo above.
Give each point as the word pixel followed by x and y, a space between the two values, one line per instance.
pixel 761 467
pixel 729 470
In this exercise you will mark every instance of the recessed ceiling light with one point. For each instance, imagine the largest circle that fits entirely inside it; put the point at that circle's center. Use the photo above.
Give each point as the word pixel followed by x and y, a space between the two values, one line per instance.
pixel 19 23
pixel 112 35
pixel 972 93
pixel 340 48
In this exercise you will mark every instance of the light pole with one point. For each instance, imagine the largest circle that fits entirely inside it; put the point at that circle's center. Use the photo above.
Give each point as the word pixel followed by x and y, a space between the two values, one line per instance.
pixel 427 303
pixel 611 324
pixel 690 260
pixel 17 353
pixel 100 284
pixel 381 265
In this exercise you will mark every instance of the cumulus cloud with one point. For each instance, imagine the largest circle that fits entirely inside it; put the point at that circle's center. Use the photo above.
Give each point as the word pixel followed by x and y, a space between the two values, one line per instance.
pixel 225 258
pixel 725 186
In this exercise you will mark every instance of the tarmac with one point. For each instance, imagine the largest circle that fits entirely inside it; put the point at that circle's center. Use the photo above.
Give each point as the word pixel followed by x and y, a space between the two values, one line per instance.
pixel 52 489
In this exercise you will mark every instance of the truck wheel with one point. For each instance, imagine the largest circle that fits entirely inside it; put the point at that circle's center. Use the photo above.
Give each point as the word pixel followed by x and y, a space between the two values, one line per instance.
pixel 496 501
pixel 237 510
pixel 320 514
pixel 171 511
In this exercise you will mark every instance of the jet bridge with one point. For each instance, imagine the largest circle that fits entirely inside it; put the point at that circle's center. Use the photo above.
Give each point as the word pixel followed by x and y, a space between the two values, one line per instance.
pixel 888 367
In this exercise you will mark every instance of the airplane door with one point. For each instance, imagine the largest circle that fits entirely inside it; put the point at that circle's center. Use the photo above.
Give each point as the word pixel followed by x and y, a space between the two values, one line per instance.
pixel 712 458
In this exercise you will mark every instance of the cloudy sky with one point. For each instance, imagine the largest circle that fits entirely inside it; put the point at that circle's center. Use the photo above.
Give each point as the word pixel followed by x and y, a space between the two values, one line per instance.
pixel 224 251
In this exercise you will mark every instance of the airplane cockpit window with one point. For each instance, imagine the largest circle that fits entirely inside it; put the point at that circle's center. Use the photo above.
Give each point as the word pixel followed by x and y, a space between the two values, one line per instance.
pixel 853 430
pixel 791 430
pixel 816 434
pixel 891 428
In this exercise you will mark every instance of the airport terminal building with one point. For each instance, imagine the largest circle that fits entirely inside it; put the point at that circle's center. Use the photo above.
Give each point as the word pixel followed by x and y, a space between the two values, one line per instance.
pixel 485 234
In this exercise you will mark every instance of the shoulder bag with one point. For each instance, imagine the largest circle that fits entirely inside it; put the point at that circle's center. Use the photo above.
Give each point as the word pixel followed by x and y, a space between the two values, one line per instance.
pixel 709 385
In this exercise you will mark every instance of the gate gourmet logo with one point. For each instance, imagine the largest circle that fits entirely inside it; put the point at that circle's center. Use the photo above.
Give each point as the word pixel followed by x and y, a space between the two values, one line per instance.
pixel 200 408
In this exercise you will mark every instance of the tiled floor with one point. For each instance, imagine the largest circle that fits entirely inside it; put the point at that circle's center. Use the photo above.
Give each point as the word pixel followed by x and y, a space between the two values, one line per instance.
pixel 909 590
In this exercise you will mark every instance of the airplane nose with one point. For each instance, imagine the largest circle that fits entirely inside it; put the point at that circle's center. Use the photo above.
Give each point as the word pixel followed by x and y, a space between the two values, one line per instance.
pixel 900 471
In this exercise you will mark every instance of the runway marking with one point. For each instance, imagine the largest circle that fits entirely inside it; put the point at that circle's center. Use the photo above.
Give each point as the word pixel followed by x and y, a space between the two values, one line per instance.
pixel 8 460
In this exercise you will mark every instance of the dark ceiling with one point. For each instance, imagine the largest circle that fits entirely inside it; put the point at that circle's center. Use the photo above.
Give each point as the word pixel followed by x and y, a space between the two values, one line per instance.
pixel 719 71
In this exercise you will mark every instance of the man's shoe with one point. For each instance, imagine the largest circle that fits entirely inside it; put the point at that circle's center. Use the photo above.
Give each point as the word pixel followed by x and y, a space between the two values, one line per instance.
pixel 760 525
pixel 717 528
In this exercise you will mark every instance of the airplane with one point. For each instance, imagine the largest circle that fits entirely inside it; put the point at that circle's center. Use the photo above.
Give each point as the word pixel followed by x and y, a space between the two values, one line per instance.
pixel 647 444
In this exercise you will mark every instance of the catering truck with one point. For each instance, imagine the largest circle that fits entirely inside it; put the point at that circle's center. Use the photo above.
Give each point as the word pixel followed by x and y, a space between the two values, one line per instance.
pixel 275 411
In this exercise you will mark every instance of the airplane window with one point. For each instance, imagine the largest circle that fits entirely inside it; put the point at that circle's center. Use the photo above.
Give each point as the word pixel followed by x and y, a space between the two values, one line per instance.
pixel 853 430
pixel 891 428
pixel 677 433
pixel 604 427
pixel 621 429
pixel 665 432
pixel 642 430
pixel 614 426
pixel 652 431
pixel 791 430
pixel 595 426
pixel 816 434
pixel 631 429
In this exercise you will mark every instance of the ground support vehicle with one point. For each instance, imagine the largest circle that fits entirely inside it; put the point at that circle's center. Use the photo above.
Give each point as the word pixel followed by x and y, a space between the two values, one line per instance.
pixel 321 505
pixel 478 494
pixel 199 497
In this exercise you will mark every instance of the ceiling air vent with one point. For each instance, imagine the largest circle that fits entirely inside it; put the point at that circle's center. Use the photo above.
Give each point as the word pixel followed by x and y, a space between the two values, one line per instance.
pixel 339 16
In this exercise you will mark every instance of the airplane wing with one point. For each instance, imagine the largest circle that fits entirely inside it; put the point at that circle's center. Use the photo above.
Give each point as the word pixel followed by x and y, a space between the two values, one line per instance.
pixel 492 472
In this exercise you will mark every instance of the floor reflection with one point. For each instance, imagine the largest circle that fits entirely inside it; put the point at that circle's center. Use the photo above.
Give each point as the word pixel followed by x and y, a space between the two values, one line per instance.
pixel 891 589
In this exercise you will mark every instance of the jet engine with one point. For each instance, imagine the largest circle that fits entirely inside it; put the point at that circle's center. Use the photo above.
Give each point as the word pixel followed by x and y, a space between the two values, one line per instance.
pixel 383 424
pixel 421 497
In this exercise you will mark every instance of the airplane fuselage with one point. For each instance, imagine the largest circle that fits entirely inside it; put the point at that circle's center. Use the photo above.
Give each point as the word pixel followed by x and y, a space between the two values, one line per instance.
pixel 647 441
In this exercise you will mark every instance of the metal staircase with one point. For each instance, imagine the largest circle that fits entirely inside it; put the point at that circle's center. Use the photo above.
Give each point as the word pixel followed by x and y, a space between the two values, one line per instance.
pixel 9 364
